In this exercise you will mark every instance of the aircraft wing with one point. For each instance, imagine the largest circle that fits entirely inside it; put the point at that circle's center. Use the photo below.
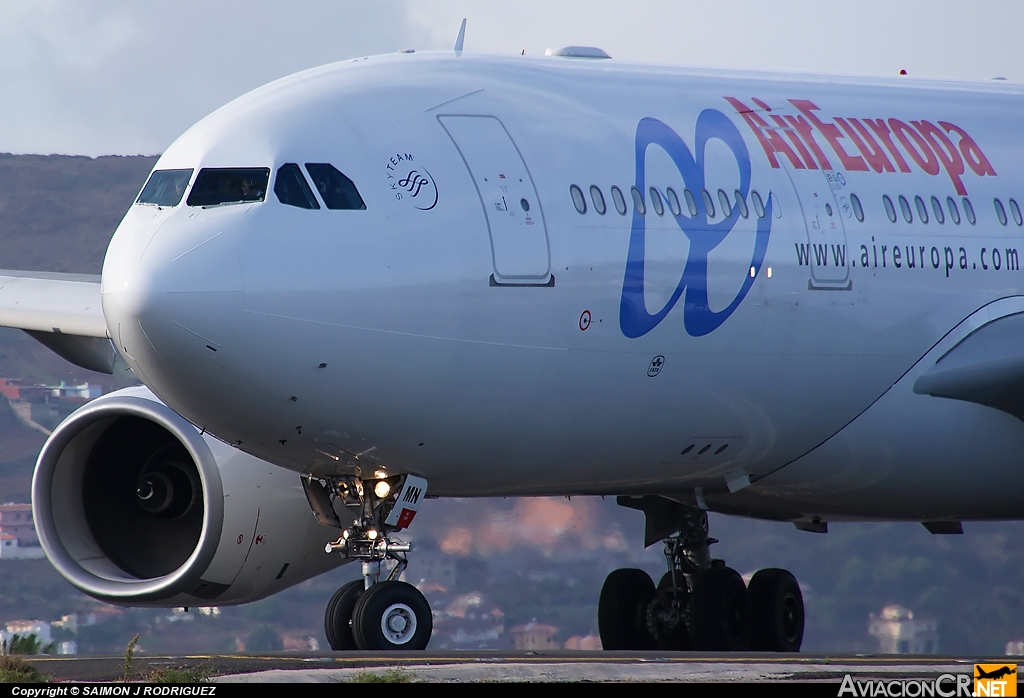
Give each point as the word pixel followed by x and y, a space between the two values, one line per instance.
pixel 62 311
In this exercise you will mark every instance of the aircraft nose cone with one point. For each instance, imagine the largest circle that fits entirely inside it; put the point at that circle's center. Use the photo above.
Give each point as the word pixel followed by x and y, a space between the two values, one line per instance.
pixel 170 290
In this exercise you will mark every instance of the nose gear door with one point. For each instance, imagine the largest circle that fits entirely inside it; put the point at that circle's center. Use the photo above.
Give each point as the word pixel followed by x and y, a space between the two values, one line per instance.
pixel 519 240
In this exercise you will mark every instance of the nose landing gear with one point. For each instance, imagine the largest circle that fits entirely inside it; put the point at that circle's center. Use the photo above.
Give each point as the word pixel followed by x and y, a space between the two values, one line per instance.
pixel 699 604
pixel 368 614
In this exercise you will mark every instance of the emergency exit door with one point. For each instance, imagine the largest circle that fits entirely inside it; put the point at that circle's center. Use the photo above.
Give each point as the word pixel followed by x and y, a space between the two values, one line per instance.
pixel 515 225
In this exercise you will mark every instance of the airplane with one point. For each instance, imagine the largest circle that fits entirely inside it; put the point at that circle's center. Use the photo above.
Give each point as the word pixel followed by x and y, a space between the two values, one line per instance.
pixel 995 673
pixel 438 274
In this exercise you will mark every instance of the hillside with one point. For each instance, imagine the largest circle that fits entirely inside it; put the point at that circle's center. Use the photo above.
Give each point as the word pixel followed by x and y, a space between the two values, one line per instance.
pixel 57 212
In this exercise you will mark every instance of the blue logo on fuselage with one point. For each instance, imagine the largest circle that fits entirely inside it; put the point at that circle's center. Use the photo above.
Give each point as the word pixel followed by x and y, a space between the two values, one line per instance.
pixel 698 318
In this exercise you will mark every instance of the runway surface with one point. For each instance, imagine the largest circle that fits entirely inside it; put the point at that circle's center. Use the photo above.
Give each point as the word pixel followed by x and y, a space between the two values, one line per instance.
pixel 519 666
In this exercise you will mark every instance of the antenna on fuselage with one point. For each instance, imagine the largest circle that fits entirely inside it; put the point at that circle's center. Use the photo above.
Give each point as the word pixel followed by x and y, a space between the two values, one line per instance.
pixel 461 38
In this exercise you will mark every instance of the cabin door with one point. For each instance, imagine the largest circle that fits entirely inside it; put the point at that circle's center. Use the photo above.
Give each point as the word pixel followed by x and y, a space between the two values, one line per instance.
pixel 515 224
pixel 824 207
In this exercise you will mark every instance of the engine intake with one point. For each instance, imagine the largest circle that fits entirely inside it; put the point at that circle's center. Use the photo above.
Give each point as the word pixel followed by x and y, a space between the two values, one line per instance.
pixel 128 499
pixel 136 507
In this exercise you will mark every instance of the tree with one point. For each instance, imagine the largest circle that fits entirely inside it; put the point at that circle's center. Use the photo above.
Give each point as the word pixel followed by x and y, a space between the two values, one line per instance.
pixel 263 638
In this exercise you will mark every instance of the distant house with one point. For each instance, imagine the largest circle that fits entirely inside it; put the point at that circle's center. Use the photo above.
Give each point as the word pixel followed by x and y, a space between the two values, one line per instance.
pixel 899 632
pixel 16 521
pixel 435 572
pixel 10 388
pixel 16 390
pixel 465 621
pixel 300 642
pixel 534 636
pixel 11 550
pixel 583 642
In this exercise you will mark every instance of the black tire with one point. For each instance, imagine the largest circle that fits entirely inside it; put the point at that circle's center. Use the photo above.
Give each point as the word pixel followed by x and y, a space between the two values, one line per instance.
pixel 338 617
pixel 392 616
pixel 778 611
pixel 622 611
pixel 678 638
pixel 718 613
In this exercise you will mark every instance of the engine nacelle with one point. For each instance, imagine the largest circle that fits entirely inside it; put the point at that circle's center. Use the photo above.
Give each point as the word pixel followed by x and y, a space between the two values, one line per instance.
pixel 135 507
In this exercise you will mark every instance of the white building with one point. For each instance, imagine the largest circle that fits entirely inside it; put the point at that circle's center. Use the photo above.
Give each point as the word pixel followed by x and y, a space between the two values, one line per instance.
pixel 10 549
pixel 898 632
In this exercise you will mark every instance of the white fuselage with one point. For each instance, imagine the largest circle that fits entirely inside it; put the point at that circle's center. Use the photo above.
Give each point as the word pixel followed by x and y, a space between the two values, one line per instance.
pixel 450 332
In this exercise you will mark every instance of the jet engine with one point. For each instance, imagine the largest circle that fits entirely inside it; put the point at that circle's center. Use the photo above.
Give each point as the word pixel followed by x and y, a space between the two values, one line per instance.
pixel 134 506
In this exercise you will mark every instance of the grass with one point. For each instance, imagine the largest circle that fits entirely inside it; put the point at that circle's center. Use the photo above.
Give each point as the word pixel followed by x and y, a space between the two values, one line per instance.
pixel 199 674
pixel 17 670
pixel 386 676
pixel 129 654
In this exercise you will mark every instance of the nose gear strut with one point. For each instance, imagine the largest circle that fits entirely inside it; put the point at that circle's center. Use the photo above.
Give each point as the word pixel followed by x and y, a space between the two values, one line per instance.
pixel 379 614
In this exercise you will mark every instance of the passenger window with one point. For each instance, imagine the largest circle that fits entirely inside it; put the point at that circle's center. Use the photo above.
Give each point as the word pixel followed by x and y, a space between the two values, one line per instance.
pixel 937 210
pixel 776 208
pixel 858 210
pixel 598 198
pixel 659 207
pixel 755 198
pixel 709 205
pixel 1015 211
pixel 723 199
pixel 673 202
pixel 165 188
pixel 577 199
pixel 922 210
pixel 1000 211
pixel 638 201
pixel 741 204
pixel 890 210
pixel 619 200
pixel 292 189
pixel 954 212
pixel 908 216
pixel 969 211
pixel 691 202
pixel 338 191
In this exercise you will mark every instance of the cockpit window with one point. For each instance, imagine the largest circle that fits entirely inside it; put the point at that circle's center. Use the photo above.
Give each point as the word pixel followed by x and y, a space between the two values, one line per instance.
pixel 165 187
pixel 221 185
pixel 292 189
pixel 337 190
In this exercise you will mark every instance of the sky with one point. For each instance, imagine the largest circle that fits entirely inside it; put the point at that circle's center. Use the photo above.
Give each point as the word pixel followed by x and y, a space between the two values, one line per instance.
pixel 127 77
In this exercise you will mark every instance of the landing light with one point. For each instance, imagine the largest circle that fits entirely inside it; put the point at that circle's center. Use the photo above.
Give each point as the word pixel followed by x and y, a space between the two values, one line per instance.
pixel 371 534
pixel 382 489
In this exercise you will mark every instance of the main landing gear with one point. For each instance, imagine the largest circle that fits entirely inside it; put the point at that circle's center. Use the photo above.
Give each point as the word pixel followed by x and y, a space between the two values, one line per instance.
pixel 699 603
pixel 373 614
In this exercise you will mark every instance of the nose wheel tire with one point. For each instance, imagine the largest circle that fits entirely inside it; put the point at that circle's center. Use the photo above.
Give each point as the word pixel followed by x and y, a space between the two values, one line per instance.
pixel 392 616
pixel 622 611
pixel 778 611
pixel 338 618
pixel 718 612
